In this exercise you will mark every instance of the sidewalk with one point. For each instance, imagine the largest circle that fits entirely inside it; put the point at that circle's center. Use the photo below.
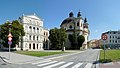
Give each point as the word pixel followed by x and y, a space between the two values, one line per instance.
pixel 110 65
pixel 18 58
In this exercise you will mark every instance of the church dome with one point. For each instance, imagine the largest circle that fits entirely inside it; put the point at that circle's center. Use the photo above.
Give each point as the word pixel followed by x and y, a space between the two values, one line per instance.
pixel 68 20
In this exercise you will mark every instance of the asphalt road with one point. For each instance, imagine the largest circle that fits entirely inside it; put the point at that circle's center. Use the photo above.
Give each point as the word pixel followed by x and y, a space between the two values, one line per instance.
pixel 79 60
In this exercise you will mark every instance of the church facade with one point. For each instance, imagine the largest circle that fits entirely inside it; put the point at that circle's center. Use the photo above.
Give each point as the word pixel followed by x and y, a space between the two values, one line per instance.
pixel 77 24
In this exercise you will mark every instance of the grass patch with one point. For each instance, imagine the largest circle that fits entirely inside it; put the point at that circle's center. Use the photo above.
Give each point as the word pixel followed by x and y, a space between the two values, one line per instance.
pixel 38 53
pixel 110 55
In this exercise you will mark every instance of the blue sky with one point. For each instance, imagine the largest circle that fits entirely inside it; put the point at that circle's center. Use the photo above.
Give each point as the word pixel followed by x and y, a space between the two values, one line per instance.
pixel 102 15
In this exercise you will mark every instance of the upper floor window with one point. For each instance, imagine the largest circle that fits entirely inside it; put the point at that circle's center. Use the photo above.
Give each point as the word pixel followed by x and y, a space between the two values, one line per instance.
pixel 30 27
pixel 33 37
pixel 114 32
pixel 70 27
pixel 44 33
pixel 37 28
pixel 34 28
pixel 30 37
pixel 110 41
pixel 113 36
pixel 110 36
pixel 113 41
pixel 37 37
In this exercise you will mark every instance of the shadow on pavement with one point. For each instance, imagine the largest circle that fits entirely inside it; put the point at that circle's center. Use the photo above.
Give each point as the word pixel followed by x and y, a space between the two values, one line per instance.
pixel 102 61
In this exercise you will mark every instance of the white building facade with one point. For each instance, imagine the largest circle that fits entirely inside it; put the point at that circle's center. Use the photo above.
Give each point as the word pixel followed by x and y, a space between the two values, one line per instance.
pixel 77 24
pixel 113 40
pixel 35 33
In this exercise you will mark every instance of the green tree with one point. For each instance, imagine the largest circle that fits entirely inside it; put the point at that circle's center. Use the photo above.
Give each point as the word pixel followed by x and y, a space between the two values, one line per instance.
pixel 73 39
pixel 17 30
pixel 57 37
pixel 80 40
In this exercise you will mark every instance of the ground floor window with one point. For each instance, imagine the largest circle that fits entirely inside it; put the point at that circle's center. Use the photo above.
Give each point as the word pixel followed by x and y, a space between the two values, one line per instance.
pixel 29 46
pixel 33 45
pixel 37 46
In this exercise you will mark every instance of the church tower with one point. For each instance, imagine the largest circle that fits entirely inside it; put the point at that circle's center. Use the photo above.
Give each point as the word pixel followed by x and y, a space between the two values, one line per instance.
pixel 85 33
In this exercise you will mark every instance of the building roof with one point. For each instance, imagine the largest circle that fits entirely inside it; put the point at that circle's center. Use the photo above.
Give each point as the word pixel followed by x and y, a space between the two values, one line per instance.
pixel 68 20
pixel 33 16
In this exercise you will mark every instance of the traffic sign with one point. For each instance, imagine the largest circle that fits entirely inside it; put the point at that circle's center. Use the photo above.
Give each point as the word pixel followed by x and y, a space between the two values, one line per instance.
pixel 10 35
pixel 104 37
pixel 9 38
pixel 9 42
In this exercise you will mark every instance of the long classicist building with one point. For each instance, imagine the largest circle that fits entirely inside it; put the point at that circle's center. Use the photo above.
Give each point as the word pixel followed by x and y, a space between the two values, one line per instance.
pixel 113 39
pixel 35 34
pixel 77 24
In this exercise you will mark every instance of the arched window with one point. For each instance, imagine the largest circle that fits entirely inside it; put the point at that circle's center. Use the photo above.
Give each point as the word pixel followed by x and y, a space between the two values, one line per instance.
pixel 29 46
pixel 34 29
pixel 37 28
pixel 70 27
pixel 37 37
pixel 44 33
pixel 33 45
pixel 37 46
pixel 30 37
pixel 30 27
pixel 33 37
pixel 78 24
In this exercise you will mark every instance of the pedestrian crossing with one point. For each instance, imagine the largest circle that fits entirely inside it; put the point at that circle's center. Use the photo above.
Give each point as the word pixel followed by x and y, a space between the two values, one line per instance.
pixel 61 64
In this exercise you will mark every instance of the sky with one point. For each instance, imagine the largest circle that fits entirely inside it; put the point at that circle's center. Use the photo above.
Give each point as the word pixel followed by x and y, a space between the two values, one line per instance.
pixel 102 15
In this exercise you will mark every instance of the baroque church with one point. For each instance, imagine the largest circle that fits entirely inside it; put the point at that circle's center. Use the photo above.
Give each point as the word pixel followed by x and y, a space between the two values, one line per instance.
pixel 77 24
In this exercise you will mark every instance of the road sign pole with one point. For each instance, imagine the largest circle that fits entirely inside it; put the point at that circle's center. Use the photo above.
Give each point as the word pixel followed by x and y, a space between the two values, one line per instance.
pixel 9 51
pixel 104 51
pixel 104 37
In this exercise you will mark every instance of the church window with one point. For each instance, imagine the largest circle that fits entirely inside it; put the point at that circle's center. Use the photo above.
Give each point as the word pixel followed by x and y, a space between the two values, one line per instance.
pixel 70 27
pixel 78 24
pixel 44 33
pixel 30 27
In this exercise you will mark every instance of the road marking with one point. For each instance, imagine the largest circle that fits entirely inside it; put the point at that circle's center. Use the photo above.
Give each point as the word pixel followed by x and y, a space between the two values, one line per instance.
pixel 89 65
pixel 54 65
pixel 47 63
pixel 64 55
pixel 41 62
pixel 66 65
pixel 77 65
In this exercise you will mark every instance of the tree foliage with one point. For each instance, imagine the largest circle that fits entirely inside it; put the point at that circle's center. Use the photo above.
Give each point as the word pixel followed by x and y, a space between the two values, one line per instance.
pixel 17 30
pixel 76 41
pixel 80 40
pixel 73 39
pixel 57 37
